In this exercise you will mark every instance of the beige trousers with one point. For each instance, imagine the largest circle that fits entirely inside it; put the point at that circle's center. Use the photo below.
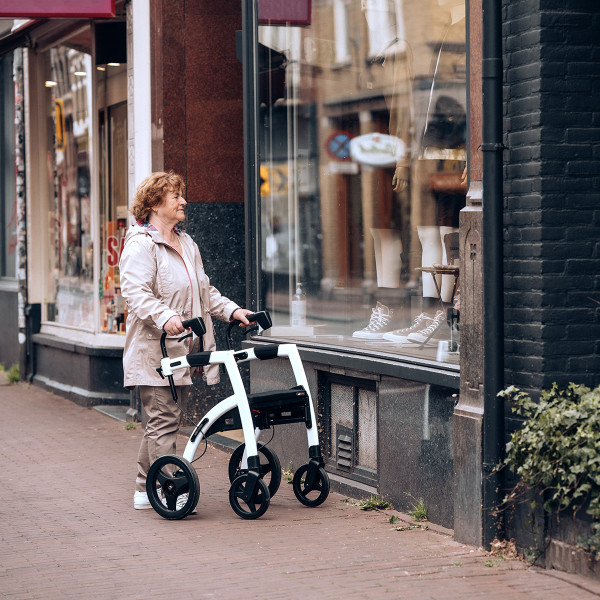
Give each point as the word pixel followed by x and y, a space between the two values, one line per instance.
pixel 160 437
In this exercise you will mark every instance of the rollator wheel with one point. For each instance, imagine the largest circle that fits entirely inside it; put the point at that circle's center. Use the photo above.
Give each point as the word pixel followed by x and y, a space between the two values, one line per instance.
pixel 315 494
pixel 254 508
pixel 172 486
pixel 270 467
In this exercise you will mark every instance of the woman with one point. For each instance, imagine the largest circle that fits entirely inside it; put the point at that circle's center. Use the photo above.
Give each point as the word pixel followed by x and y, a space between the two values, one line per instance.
pixel 164 283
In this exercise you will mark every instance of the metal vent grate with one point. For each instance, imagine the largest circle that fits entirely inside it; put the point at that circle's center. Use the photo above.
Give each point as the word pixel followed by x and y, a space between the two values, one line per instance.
pixel 344 447
pixel 342 411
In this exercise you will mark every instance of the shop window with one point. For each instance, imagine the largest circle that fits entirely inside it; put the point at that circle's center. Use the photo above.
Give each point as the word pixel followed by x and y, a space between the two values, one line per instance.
pixel 349 414
pixel 363 176
pixel 113 214
pixel 8 202
pixel 68 78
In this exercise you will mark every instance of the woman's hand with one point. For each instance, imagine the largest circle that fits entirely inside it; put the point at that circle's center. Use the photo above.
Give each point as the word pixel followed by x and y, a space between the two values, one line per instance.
pixel 239 314
pixel 174 326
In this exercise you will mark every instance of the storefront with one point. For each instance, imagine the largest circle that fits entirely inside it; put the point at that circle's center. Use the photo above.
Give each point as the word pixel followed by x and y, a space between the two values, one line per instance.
pixel 71 89
pixel 361 130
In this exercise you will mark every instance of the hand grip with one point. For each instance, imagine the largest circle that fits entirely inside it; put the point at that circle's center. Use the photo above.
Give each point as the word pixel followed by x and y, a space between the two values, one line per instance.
pixel 196 325
pixel 263 318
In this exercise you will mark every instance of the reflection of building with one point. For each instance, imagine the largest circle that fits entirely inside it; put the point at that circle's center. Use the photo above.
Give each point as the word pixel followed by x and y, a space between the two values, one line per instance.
pixel 395 419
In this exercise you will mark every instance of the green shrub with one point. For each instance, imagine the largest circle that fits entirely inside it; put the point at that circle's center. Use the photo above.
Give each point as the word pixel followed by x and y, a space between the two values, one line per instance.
pixel 13 374
pixel 557 452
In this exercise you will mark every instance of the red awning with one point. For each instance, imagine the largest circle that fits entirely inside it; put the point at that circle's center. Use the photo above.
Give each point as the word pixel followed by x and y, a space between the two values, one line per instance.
pixel 57 8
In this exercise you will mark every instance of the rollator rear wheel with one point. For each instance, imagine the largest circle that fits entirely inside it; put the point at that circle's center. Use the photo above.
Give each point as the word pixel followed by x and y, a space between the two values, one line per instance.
pixel 270 467
pixel 254 507
pixel 314 494
pixel 172 486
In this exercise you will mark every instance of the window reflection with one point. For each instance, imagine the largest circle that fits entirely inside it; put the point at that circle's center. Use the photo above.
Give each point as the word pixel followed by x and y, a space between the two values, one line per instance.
pixel 362 154
pixel 70 218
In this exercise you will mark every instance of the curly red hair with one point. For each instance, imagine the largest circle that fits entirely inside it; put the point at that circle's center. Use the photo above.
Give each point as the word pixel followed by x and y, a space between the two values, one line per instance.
pixel 152 191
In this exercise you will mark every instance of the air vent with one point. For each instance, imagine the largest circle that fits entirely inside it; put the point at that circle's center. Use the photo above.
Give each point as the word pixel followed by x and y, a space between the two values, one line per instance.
pixel 345 447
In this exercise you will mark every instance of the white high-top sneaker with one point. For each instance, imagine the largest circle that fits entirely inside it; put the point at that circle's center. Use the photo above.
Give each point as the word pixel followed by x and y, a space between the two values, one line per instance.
pixel 400 335
pixel 381 318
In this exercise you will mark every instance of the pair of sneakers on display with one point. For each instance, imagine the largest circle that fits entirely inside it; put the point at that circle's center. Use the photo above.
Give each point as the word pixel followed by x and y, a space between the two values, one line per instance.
pixel 423 329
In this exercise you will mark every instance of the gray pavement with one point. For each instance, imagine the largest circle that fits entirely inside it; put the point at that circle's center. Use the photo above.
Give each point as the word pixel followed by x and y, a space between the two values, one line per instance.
pixel 68 530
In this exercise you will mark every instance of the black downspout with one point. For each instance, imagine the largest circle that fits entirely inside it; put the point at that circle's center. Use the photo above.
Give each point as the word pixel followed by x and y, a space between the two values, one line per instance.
pixel 493 272
pixel 251 153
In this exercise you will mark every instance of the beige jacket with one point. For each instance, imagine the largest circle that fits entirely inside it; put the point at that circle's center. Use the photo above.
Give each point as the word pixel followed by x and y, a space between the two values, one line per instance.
pixel 156 285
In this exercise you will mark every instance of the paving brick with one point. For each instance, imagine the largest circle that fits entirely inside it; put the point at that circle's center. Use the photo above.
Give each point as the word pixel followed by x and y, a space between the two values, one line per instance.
pixel 69 530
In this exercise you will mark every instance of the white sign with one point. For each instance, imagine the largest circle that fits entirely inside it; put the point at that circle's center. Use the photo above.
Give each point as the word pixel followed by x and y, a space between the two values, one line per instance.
pixel 376 149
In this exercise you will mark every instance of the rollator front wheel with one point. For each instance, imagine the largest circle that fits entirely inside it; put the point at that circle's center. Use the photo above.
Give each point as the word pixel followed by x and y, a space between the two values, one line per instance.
pixel 269 471
pixel 253 507
pixel 311 494
pixel 172 486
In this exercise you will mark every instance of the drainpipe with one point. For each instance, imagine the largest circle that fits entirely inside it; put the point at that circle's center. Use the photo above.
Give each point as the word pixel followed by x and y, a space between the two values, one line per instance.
pixel 493 272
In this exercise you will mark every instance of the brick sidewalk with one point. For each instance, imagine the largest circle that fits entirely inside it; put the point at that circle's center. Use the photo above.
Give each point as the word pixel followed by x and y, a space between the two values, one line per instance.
pixel 69 531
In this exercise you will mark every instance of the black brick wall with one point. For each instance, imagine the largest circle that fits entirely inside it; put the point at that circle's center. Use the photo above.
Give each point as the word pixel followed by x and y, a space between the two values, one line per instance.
pixel 552 192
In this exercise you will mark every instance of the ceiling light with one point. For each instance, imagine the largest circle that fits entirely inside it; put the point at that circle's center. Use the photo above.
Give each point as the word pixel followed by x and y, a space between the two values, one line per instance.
pixel 49 83
pixel 80 73
pixel 114 64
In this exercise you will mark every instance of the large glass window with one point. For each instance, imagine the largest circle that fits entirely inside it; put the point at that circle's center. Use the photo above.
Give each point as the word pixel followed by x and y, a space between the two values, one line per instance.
pixel 69 80
pixel 113 214
pixel 363 162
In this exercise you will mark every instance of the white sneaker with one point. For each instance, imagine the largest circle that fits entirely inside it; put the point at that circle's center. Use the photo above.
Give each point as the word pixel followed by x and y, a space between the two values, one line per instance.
pixel 431 333
pixel 140 501
pixel 400 335
pixel 181 503
pixel 381 317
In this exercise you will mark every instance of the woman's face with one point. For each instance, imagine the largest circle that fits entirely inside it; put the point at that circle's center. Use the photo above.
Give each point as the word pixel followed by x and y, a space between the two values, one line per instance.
pixel 171 209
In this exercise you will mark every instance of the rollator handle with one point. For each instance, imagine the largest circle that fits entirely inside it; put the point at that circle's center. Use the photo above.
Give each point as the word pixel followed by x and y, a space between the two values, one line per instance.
pixel 263 318
pixel 196 325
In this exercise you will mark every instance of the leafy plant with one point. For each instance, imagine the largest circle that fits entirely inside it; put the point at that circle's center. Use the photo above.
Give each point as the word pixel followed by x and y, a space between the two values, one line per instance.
pixel 13 374
pixel 373 503
pixel 557 452
pixel 288 474
pixel 419 510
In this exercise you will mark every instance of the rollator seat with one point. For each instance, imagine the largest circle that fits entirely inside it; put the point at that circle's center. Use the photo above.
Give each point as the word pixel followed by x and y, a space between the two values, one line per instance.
pixel 280 406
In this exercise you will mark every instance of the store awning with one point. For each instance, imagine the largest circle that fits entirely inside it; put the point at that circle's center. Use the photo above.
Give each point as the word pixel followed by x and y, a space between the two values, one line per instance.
pixel 66 9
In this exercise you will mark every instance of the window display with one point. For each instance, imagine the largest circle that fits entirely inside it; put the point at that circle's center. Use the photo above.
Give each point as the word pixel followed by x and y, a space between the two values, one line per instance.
pixel 363 175
pixel 80 292
pixel 69 81
pixel 113 214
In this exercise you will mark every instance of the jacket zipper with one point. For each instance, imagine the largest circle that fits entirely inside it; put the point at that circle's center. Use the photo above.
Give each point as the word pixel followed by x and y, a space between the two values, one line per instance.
pixel 198 369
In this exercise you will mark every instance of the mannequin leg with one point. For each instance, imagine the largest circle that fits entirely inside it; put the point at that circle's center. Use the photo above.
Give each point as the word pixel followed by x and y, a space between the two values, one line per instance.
pixel 431 245
pixel 447 280
pixel 388 248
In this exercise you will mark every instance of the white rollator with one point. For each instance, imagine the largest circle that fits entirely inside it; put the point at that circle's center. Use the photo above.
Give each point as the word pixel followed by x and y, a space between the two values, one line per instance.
pixel 172 482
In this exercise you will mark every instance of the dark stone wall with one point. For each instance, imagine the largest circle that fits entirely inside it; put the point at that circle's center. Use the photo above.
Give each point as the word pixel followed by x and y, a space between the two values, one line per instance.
pixel 218 229
pixel 552 192
pixel 551 210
